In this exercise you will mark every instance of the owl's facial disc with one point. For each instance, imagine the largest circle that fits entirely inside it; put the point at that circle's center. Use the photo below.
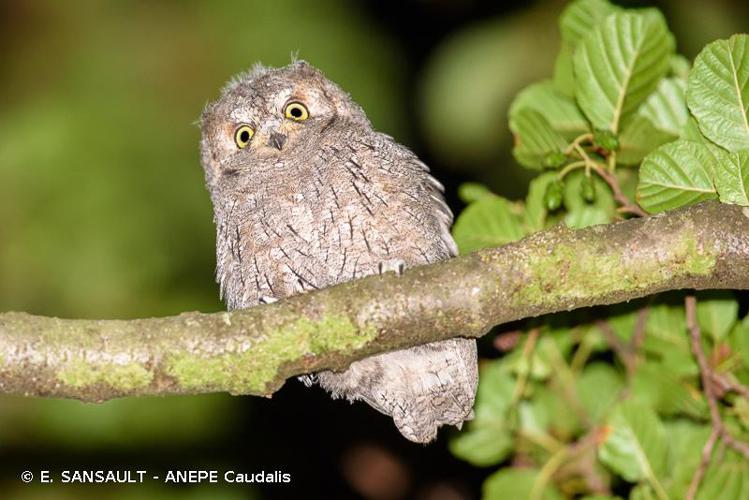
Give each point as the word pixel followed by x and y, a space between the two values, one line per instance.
pixel 270 115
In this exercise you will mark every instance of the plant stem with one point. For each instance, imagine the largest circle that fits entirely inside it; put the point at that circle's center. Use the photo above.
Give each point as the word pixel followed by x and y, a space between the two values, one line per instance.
pixel 707 375
pixel 577 141
pixel 569 168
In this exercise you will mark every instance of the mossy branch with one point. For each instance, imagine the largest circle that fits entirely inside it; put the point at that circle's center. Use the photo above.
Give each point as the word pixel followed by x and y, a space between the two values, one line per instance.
pixel 255 350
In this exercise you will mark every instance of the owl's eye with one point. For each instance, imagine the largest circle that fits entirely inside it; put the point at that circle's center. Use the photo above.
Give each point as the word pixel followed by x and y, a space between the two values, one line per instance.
pixel 296 111
pixel 242 136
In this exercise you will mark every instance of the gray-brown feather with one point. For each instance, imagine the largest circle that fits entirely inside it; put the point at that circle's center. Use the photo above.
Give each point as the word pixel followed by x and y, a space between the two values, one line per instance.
pixel 339 201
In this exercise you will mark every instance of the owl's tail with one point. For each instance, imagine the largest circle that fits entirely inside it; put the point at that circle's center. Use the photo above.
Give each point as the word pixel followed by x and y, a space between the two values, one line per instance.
pixel 422 388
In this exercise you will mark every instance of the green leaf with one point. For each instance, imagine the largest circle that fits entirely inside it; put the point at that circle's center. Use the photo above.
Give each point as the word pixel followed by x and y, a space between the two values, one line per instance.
pixel 535 206
pixel 606 140
pixel 586 216
pixel 577 20
pixel 731 176
pixel 718 92
pixel 559 110
pixel 622 321
pixel 581 17
pixel 717 312
pixel 564 78
pixel 598 389
pixel 676 174
pixel 581 213
pixel 739 340
pixel 655 385
pixel 741 410
pixel 485 223
pixel 487 440
pixel 726 479
pixel 535 139
pixel 517 484
pixel 495 391
pixel 483 444
pixel 679 67
pixel 666 338
pixel 565 422
pixel 619 65
pixel 667 320
pixel 666 108
pixel 639 138
pixel 629 178
pixel 469 192
pixel 635 446
pixel 674 357
pixel 534 418
pixel 685 441
pixel 541 365
pixel 692 132
pixel 643 491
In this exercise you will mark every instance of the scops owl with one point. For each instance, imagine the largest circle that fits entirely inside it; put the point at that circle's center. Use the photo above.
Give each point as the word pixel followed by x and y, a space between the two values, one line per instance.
pixel 306 195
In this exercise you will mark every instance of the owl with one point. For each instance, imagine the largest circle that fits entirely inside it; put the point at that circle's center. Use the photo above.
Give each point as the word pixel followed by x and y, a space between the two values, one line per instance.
pixel 306 194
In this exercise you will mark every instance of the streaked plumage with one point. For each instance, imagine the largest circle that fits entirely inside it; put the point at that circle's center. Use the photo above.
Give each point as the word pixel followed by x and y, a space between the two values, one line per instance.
pixel 308 204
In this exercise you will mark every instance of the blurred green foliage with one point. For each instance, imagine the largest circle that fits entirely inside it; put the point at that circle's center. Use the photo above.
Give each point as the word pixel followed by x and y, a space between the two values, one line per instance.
pixel 102 205
pixel 101 191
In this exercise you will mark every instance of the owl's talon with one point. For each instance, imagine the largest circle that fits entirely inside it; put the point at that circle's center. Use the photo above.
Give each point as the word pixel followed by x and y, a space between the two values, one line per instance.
pixel 309 380
pixel 396 266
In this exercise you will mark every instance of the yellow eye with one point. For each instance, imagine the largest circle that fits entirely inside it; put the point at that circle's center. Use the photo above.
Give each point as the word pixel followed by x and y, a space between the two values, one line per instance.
pixel 243 135
pixel 296 111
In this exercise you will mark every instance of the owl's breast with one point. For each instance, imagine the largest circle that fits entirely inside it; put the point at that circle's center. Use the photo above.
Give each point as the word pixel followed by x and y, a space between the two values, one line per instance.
pixel 329 223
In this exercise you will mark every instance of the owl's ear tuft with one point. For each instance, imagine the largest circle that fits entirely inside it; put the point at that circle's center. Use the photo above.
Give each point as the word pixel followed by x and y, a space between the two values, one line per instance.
pixel 236 81
pixel 302 66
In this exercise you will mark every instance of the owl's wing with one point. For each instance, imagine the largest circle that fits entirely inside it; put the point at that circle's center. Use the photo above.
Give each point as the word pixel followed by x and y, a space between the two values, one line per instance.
pixel 423 387
pixel 422 187
pixel 441 211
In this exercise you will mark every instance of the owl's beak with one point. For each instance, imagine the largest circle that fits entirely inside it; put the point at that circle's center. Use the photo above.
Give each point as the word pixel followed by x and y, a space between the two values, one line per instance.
pixel 276 140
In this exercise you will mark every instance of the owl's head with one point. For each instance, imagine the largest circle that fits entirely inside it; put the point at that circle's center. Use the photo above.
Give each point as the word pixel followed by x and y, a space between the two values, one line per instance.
pixel 269 114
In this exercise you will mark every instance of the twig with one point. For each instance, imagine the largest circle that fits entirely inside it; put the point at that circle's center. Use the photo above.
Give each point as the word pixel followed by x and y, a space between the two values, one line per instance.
pixel 738 445
pixel 707 375
pixel 638 336
pixel 547 471
pixel 627 352
pixel 627 206
pixel 609 177
pixel 525 368
pixel 506 341
pixel 569 168
pixel 577 459
pixel 726 385
pixel 623 350
pixel 577 141
pixel 707 453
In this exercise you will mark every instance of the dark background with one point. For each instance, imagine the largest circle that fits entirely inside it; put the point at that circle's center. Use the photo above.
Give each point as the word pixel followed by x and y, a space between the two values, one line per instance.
pixel 103 213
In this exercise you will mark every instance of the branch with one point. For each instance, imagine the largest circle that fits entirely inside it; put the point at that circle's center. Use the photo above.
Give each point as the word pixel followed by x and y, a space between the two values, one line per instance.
pixel 253 351
pixel 719 430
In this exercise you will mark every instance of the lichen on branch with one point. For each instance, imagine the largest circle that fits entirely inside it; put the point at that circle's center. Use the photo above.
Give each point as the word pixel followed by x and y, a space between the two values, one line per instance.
pixel 254 351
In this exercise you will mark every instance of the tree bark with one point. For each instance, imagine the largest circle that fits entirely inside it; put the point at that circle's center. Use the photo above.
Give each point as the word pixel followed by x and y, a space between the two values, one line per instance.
pixel 255 350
